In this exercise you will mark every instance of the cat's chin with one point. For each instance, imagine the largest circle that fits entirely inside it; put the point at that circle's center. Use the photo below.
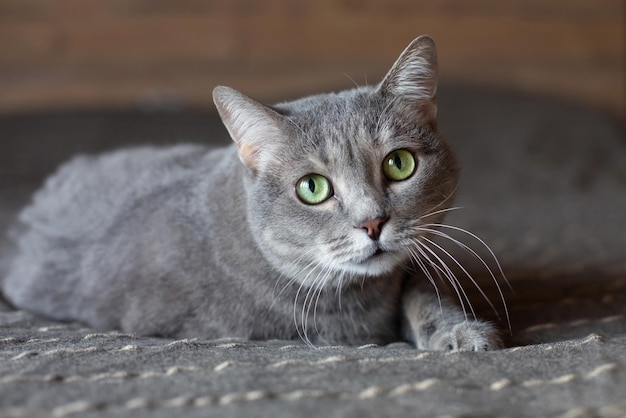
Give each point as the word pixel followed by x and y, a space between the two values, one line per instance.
pixel 378 264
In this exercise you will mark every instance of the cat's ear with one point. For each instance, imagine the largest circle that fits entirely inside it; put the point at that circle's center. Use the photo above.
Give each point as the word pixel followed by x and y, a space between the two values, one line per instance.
pixel 254 127
pixel 413 77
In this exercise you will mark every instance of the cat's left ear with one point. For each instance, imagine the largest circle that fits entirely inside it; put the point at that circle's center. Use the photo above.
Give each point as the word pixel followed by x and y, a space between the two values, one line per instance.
pixel 413 78
pixel 254 127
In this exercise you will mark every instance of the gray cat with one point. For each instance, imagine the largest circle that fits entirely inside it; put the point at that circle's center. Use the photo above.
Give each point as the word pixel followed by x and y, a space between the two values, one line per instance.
pixel 308 227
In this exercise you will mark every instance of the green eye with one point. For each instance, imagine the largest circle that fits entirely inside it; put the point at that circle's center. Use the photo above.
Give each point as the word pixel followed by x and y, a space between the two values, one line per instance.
pixel 399 165
pixel 313 189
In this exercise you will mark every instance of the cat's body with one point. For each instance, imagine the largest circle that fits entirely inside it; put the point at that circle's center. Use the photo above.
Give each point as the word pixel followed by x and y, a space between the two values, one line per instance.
pixel 297 230
pixel 147 256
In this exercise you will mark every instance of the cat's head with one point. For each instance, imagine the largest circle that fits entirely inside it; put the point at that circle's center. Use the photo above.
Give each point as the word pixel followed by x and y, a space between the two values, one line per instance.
pixel 338 184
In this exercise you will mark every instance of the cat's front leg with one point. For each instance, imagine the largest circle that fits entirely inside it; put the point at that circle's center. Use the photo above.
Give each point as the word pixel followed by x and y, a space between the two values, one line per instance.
pixel 435 323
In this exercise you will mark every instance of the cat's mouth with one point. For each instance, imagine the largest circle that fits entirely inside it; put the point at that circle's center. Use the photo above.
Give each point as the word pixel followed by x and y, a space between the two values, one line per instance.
pixel 374 255
pixel 374 262
pixel 379 253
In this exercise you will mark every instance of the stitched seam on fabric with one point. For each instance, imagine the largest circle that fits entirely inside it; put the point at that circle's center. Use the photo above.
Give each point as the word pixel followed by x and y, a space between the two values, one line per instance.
pixel 256 395
pixel 218 368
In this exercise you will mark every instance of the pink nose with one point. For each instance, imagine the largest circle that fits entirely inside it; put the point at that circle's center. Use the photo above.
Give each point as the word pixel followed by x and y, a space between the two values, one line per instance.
pixel 374 227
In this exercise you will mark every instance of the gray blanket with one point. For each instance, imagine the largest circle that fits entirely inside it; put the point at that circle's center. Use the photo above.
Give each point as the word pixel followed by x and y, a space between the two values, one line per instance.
pixel 544 185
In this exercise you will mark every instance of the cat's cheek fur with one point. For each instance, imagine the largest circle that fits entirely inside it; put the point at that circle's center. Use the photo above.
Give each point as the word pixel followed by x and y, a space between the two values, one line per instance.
pixel 283 240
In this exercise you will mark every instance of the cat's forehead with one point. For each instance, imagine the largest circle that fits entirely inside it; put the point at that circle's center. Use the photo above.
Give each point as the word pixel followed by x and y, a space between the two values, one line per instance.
pixel 343 113
pixel 338 125
pixel 344 144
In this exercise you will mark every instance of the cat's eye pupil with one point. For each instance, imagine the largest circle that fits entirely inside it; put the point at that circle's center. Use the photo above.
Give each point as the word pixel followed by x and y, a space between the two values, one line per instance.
pixel 311 185
pixel 399 165
pixel 398 161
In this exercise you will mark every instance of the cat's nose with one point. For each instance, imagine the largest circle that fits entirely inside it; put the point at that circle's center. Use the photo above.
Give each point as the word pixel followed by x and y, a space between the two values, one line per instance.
pixel 374 227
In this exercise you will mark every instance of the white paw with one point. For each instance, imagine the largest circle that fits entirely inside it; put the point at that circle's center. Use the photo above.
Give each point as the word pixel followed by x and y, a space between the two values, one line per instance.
pixel 466 336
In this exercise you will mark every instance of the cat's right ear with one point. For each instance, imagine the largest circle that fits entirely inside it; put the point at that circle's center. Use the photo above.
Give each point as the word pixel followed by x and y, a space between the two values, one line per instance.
pixel 412 79
pixel 254 127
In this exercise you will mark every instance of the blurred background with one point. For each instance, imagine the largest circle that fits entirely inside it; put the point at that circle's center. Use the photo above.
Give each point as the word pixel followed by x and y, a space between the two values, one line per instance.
pixel 66 54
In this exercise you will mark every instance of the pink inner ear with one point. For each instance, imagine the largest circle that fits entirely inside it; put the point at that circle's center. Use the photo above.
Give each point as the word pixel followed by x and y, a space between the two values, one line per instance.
pixel 254 127
pixel 248 155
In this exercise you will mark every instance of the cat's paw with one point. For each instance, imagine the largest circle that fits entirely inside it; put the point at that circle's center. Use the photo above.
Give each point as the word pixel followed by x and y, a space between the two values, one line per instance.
pixel 466 336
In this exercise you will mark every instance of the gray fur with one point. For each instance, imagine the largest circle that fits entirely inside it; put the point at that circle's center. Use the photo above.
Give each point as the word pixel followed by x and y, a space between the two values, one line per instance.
pixel 191 242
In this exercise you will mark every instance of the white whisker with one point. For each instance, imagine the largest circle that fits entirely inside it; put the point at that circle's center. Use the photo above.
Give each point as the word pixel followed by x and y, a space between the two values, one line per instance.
pixel 484 263
pixel 308 300
pixel 450 274
pixel 319 290
pixel 309 267
pixel 292 264
pixel 295 315
pixel 464 271
pixel 440 211
pixel 495 259
pixel 351 79
pixel 415 258
pixel 303 283
pixel 433 210
pixel 447 273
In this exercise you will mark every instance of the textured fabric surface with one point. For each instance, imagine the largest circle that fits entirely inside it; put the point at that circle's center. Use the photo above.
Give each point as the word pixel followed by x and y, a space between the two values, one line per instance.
pixel 544 184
